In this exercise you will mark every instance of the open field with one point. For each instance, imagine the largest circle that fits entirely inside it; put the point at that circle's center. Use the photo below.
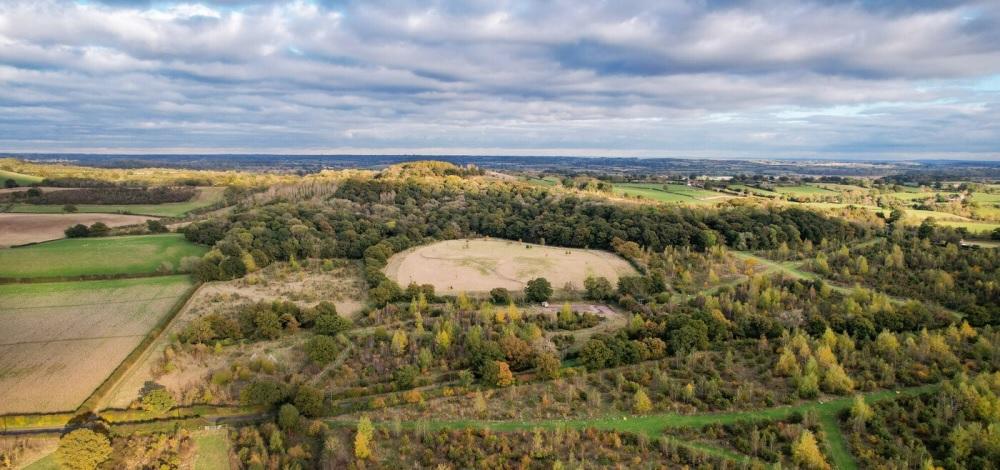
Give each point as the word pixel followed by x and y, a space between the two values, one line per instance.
pixel 20 229
pixel 206 197
pixel 804 190
pixel 21 179
pixel 670 193
pixel 59 341
pixel 978 228
pixel 211 450
pixel 754 191
pixel 481 264
pixel 97 256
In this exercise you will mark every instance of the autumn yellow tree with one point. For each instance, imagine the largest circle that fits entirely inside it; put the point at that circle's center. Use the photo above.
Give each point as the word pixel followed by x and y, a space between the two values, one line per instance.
pixel 805 452
pixel 399 342
pixel 641 402
pixel 363 438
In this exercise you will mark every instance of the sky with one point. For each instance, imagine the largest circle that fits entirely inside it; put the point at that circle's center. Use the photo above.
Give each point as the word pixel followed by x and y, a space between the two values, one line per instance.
pixel 879 79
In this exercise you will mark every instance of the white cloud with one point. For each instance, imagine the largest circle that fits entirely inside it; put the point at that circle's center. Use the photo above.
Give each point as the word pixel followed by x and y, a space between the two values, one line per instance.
pixel 666 78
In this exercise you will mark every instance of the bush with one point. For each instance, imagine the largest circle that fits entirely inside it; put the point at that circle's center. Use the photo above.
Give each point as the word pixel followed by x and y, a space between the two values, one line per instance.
pixel 500 296
pixel 263 393
pixel 158 401
pixel 331 324
pixel 288 416
pixel 69 208
pixel 83 449
pixel 309 400
pixel 77 231
pixel 155 226
pixel 10 183
pixel 322 349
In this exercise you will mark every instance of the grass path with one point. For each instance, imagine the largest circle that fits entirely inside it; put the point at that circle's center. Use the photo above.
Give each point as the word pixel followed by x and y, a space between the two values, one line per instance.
pixel 654 425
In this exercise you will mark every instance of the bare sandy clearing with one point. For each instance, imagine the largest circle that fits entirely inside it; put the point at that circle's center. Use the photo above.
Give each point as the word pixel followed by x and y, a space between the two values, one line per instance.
pixel 19 229
pixel 482 264
pixel 59 341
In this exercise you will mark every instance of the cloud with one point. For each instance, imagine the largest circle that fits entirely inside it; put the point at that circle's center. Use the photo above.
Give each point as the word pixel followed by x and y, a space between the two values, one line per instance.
pixel 874 79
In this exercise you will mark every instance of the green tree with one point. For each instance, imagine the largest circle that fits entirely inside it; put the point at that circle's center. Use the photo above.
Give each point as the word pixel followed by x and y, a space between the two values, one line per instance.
pixel 158 401
pixel 70 208
pixel 288 416
pixel 309 400
pixel 83 449
pixel 322 349
pixel 598 288
pixel 547 364
pixel 538 290
pixel 331 324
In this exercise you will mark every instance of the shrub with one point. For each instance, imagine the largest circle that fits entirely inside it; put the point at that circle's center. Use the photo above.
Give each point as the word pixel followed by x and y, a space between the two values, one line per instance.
pixel 83 449
pixel 500 295
pixel 77 231
pixel 288 416
pixel 498 374
pixel 322 349
pixel 331 324
pixel 309 400
pixel 158 401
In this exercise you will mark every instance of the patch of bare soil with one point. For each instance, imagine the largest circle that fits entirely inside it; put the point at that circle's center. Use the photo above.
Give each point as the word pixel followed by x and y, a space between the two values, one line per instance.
pixel 20 229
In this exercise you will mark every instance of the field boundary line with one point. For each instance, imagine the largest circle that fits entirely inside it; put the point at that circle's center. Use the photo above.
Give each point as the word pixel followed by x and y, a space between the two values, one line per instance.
pixel 66 340
pixel 113 302
pixel 84 277
pixel 112 381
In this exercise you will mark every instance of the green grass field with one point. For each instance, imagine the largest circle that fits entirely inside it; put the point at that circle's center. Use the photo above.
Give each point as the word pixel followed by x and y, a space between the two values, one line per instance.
pixel 678 193
pixel 804 190
pixel 21 179
pixel 978 228
pixel 754 191
pixel 205 197
pixel 100 256
pixel 45 463
pixel 212 450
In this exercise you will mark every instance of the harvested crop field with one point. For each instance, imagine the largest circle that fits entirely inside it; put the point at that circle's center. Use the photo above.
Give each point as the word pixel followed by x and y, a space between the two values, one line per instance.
pixel 97 256
pixel 481 264
pixel 59 341
pixel 20 229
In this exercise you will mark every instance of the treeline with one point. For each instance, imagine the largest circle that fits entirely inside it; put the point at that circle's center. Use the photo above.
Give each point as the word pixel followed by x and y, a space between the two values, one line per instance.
pixel 373 218
pixel 103 195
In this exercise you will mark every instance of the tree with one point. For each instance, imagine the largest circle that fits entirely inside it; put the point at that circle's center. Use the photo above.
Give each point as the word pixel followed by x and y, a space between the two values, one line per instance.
pixel 155 226
pixel 443 339
pixel 262 393
pixel 598 288
pixel 99 229
pixel 836 380
pixel 363 438
pixel 10 183
pixel 309 400
pixel 331 324
pixel 322 349
pixel 595 354
pixel 500 295
pixel 787 365
pixel 547 365
pixel 805 452
pixel 399 342
pixel 288 416
pixel 498 374
pixel 860 413
pixel 158 401
pixel 69 208
pixel 83 449
pixel 641 402
pixel 538 290
pixel 77 231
